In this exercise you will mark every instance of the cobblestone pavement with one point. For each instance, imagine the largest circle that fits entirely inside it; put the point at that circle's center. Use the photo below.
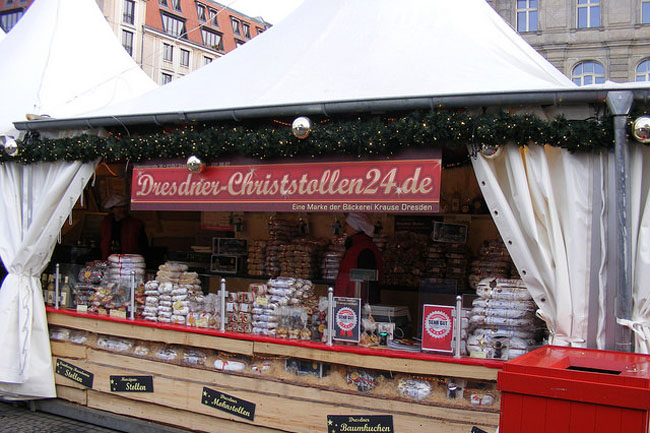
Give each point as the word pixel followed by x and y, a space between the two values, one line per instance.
pixel 17 418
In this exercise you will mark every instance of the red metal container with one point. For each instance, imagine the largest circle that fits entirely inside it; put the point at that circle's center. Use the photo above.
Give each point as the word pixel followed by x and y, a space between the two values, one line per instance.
pixel 570 390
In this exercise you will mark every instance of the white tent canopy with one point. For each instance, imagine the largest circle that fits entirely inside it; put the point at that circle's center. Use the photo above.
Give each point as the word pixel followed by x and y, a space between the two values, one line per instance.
pixel 355 50
pixel 2 34
pixel 62 59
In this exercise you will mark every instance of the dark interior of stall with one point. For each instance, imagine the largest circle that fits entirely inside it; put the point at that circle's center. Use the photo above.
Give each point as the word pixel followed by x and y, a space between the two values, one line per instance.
pixel 427 259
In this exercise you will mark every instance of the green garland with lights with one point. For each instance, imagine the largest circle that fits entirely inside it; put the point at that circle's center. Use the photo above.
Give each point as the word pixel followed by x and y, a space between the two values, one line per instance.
pixel 355 136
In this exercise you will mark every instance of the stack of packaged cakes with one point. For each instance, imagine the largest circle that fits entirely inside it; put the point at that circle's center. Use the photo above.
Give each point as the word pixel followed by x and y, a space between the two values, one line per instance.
pixel 502 321
pixel 238 311
pixel 300 258
pixel 492 261
pixel 256 257
pixel 332 258
pixel 281 232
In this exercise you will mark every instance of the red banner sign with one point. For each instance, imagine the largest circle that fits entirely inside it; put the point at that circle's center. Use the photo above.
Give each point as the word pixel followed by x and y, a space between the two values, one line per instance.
pixel 437 327
pixel 394 186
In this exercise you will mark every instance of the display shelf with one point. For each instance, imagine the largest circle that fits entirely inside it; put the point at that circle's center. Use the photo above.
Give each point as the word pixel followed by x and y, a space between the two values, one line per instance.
pixel 248 344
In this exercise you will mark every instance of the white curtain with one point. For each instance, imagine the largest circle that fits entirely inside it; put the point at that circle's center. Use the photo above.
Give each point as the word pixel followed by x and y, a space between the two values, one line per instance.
pixel 540 198
pixel 640 234
pixel 36 201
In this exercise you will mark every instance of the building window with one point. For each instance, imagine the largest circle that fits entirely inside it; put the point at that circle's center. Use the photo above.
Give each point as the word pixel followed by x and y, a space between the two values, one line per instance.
pixel 212 39
pixel 9 19
pixel 168 52
pixel 163 3
pixel 128 17
pixel 588 73
pixel 246 30
pixel 526 15
pixel 200 12
pixel 185 58
pixel 235 26
pixel 9 3
pixel 207 60
pixel 127 41
pixel 165 78
pixel 176 4
pixel 588 13
pixel 173 26
pixel 645 11
pixel 239 43
pixel 643 71
pixel 260 30
pixel 213 17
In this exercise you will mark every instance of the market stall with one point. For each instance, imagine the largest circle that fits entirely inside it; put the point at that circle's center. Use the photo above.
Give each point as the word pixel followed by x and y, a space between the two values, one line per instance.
pixel 355 120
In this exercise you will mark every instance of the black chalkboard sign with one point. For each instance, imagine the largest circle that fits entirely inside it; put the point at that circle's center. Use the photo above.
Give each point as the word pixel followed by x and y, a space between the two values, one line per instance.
pixel 360 423
pixel 228 403
pixel 131 383
pixel 74 373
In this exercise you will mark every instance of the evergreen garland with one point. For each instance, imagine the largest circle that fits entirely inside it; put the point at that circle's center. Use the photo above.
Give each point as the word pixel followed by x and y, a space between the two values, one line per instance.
pixel 354 136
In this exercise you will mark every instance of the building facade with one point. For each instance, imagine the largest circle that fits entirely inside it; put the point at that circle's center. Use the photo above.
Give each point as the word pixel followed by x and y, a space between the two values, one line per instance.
pixel 590 41
pixel 167 38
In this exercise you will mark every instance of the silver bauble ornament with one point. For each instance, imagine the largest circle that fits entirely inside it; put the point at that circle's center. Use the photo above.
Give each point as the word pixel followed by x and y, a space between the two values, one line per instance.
pixel 490 150
pixel 301 127
pixel 10 145
pixel 641 130
pixel 194 164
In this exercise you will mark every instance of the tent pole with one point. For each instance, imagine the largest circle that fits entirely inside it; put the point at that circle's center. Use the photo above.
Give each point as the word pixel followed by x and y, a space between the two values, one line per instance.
pixel 619 103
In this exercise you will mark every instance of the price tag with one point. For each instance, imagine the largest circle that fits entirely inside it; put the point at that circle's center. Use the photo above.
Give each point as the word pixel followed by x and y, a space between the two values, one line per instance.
pixel 82 308
pixel 118 313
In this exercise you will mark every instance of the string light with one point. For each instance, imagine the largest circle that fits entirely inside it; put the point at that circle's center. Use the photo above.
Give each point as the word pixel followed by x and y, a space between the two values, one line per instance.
pixel 355 136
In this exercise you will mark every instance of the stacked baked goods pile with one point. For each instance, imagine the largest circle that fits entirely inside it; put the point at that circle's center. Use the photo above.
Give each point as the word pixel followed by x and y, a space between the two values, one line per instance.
pixel 332 258
pixel 263 318
pixel 256 258
pixel 281 232
pixel 151 293
pixel 435 260
pixel 502 321
pixel 121 266
pixel 238 311
pixel 300 258
pixel 492 261
pixel 404 260
pixel 88 281
pixel 186 296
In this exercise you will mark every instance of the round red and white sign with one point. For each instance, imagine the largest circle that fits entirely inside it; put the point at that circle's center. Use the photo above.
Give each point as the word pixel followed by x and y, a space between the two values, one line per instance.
pixel 346 319
pixel 437 324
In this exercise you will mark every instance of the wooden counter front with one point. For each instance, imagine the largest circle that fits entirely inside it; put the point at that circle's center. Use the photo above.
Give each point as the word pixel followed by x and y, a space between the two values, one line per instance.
pixel 284 403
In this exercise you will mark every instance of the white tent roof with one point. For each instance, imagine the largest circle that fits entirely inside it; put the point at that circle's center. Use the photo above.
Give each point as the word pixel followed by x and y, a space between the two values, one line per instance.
pixel 62 59
pixel 356 50
pixel 2 34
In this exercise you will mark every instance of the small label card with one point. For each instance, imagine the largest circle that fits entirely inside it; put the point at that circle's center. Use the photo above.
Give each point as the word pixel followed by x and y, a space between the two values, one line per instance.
pixel 74 373
pixel 360 423
pixel 227 403
pixel 131 383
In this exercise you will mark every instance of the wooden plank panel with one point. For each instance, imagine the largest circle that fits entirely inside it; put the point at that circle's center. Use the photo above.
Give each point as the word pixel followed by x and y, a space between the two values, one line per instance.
pixel 413 366
pixel 236 384
pixel 272 411
pixel 147 333
pixel 69 350
pixel 74 395
pixel 188 420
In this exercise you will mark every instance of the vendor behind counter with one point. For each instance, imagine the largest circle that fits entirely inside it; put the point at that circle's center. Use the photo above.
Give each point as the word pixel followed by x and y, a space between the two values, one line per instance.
pixel 361 252
pixel 120 232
